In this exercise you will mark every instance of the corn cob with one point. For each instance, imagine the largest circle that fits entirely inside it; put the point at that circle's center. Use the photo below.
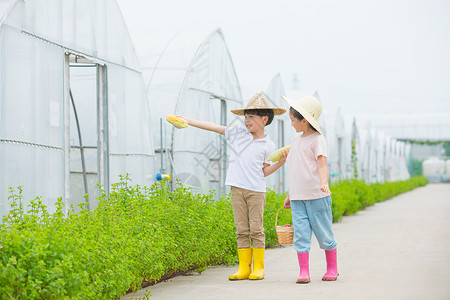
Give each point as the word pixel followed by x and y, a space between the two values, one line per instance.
pixel 177 121
pixel 275 155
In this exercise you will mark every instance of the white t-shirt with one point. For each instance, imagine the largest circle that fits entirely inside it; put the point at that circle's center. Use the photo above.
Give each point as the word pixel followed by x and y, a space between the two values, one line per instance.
pixel 246 159
pixel 303 169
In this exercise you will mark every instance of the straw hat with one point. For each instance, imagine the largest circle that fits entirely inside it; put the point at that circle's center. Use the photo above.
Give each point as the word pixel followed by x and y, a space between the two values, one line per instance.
pixel 309 107
pixel 258 101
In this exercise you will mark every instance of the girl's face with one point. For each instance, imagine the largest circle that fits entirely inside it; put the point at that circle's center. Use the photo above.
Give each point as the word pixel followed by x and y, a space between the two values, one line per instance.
pixel 298 125
pixel 254 123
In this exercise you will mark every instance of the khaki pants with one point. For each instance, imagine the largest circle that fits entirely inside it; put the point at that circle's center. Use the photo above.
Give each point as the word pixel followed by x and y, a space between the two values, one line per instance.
pixel 248 208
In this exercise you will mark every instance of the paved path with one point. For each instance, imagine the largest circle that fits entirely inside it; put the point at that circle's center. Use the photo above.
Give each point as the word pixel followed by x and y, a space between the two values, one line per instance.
pixel 397 249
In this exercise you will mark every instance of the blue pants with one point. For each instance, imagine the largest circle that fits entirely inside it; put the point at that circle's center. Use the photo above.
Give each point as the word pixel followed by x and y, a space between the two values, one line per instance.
pixel 312 216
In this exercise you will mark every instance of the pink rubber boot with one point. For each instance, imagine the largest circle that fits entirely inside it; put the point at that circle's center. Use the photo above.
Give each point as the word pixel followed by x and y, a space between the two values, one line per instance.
pixel 332 272
pixel 303 261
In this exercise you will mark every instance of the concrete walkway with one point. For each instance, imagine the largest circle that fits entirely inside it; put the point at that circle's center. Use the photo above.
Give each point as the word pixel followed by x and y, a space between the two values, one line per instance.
pixel 397 249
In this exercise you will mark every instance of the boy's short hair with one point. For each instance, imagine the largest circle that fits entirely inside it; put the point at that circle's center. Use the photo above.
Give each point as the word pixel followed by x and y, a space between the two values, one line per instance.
pixel 298 116
pixel 261 113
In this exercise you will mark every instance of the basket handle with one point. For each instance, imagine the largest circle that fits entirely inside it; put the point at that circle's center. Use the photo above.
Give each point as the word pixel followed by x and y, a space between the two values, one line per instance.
pixel 276 217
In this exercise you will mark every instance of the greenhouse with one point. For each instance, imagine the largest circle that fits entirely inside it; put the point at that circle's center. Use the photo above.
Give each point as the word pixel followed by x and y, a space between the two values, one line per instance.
pixel 73 106
pixel 193 76
pixel 339 144
pixel 425 127
pixel 381 158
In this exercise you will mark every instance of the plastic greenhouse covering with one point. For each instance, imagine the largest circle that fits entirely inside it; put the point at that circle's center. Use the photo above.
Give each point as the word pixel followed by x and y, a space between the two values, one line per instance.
pixel 69 81
pixel 416 128
pixel 338 142
pixel 381 158
pixel 424 127
pixel 193 76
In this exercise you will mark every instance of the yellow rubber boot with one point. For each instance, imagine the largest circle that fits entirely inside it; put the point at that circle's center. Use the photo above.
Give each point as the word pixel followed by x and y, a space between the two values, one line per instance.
pixel 245 264
pixel 258 264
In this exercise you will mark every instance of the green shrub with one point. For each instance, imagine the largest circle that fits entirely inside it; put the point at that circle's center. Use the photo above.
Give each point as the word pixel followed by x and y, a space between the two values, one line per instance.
pixel 135 234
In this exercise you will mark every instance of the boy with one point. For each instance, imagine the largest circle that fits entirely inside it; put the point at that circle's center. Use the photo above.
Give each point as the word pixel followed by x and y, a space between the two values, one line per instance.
pixel 248 165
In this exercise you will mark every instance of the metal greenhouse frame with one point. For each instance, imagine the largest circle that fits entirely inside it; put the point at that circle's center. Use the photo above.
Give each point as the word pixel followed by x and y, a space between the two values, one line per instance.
pixel 73 106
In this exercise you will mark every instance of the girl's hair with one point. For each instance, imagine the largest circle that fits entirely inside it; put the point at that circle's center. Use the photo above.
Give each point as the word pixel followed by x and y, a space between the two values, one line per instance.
pixel 261 113
pixel 296 114
pixel 299 116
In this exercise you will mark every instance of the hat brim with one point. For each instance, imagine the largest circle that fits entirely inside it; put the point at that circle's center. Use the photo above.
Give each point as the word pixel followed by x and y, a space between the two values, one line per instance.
pixel 311 120
pixel 276 110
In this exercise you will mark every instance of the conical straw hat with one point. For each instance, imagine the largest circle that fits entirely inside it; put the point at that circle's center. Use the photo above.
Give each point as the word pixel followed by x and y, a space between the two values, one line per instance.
pixel 258 101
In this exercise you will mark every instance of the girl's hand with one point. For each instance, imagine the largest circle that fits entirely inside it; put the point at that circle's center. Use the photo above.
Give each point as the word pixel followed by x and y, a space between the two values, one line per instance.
pixel 287 202
pixel 324 188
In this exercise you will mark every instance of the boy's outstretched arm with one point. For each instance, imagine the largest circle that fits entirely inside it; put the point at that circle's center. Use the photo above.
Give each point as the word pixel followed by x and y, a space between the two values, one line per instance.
pixel 205 125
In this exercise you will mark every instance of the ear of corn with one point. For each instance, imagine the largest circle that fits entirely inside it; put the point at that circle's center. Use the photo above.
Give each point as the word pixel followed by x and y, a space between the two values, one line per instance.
pixel 275 155
pixel 176 121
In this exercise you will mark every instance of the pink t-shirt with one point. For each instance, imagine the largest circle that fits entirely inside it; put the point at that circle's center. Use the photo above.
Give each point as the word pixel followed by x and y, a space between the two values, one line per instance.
pixel 303 169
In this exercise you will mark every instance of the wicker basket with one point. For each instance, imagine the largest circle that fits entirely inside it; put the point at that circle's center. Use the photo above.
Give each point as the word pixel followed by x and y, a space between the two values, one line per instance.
pixel 285 234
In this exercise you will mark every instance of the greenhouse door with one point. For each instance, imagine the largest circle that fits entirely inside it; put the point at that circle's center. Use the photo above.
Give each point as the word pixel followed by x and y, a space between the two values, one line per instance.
pixel 88 122
pixel 218 161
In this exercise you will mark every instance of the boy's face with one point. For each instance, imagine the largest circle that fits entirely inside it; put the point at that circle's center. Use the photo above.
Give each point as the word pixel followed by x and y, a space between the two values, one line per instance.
pixel 298 125
pixel 255 123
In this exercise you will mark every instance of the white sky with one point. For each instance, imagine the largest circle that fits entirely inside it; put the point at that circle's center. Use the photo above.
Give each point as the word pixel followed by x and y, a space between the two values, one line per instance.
pixel 379 56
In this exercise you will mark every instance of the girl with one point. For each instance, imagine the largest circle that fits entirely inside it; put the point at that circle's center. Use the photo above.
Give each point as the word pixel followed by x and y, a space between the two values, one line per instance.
pixel 309 195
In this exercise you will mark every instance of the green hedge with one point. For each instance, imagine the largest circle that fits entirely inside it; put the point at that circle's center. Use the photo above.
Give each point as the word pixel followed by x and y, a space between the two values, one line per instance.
pixel 351 196
pixel 135 235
